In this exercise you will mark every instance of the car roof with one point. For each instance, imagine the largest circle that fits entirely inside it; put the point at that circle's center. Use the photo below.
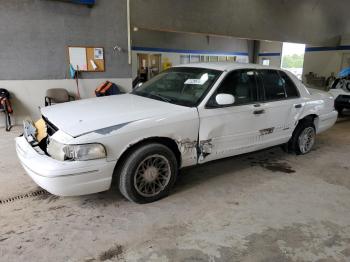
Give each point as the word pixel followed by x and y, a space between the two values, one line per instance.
pixel 227 66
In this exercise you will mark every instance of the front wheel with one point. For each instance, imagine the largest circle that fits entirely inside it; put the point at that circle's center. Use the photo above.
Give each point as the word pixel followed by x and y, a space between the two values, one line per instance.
pixel 148 173
pixel 303 138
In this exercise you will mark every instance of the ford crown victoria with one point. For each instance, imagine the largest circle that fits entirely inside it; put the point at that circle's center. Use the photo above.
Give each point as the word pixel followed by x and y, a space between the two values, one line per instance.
pixel 186 115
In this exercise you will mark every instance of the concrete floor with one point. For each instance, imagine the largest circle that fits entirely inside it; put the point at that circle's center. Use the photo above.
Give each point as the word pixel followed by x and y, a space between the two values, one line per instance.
pixel 266 206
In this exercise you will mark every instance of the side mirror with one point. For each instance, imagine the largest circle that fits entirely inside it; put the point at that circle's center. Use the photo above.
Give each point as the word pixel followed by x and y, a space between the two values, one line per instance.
pixel 139 84
pixel 225 99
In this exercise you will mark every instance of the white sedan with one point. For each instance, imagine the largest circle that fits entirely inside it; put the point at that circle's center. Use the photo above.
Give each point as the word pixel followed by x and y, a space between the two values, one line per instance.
pixel 185 116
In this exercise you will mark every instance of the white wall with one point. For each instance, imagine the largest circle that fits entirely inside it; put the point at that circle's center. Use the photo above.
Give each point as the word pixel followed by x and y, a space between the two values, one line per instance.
pixel 266 48
pixel 325 62
pixel 322 63
pixel 28 95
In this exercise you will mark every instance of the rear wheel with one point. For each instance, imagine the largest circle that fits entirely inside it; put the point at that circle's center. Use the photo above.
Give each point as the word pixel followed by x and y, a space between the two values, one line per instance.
pixel 148 173
pixel 303 138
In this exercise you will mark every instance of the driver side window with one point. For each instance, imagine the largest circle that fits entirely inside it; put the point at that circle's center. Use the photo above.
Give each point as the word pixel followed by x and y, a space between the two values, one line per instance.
pixel 241 84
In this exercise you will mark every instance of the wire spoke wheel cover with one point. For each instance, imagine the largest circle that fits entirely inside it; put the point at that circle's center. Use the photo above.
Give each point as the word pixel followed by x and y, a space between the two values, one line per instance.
pixel 152 175
pixel 306 140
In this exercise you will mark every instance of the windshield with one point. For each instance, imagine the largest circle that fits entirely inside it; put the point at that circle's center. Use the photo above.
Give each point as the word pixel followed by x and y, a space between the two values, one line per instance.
pixel 179 85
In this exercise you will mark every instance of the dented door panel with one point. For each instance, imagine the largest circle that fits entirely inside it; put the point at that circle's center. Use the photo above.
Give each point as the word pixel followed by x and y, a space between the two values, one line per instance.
pixel 227 131
pixel 278 121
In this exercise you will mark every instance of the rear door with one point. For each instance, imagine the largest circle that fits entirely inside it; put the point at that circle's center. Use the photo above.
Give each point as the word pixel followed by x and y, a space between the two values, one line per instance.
pixel 281 105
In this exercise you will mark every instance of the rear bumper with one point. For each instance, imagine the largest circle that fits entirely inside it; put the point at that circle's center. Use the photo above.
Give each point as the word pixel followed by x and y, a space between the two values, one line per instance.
pixel 326 121
pixel 64 178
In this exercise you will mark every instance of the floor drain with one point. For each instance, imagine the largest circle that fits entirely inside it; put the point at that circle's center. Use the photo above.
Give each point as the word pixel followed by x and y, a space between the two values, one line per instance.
pixel 40 192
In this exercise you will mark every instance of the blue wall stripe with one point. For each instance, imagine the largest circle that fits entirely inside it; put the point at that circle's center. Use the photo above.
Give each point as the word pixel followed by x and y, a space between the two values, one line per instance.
pixel 84 2
pixel 269 54
pixel 185 51
pixel 327 48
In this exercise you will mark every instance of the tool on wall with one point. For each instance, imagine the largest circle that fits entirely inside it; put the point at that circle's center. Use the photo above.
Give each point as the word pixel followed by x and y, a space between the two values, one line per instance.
pixel 75 75
pixel 117 48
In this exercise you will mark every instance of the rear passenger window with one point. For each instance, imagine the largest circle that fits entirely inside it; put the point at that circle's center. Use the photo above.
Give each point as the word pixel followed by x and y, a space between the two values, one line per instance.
pixel 273 85
pixel 241 84
pixel 289 85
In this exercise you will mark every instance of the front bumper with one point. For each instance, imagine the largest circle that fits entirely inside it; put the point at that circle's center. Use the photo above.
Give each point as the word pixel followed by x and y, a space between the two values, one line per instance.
pixel 64 178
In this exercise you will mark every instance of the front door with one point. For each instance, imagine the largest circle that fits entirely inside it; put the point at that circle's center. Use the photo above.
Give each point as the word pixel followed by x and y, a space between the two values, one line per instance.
pixel 231 130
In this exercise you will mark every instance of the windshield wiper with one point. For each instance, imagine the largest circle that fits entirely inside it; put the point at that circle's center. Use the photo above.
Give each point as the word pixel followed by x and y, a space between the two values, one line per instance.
pixel 155 95
pixel 165 99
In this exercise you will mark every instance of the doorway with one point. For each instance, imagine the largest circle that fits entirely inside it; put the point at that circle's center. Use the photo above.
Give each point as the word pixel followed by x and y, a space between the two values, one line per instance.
pixel 293 58
pixel 148 66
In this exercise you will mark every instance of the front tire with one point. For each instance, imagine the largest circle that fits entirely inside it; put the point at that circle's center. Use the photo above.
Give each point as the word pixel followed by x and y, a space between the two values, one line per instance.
pixel 148 173
pixel 303 138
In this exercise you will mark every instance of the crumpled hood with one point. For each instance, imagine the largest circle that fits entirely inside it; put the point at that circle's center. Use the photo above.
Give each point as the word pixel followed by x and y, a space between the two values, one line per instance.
pixel 88 115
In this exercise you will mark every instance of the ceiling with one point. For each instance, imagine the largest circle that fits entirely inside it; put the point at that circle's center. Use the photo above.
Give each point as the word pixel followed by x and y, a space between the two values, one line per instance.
pixel 317 22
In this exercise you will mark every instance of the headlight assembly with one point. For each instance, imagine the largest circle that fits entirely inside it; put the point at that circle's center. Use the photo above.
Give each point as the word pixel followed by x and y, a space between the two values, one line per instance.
pixel 82 152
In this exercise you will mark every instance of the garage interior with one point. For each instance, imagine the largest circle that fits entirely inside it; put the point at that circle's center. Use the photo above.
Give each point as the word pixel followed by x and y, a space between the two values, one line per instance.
pixel 262 206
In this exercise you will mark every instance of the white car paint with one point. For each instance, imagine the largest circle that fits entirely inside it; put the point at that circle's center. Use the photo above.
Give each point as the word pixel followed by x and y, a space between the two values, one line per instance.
pixel 118 122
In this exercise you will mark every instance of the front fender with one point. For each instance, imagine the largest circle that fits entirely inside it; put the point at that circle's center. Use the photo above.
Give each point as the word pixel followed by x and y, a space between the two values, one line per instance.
pixel 182 129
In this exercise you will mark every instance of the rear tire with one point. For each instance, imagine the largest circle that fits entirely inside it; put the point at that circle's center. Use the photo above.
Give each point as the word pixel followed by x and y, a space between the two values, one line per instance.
pixel 303 138
pixel 148 173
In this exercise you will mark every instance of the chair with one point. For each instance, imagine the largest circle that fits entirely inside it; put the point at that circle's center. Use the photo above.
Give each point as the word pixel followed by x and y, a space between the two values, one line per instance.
pixel 56 96
pixel 7 118
pixel 5 107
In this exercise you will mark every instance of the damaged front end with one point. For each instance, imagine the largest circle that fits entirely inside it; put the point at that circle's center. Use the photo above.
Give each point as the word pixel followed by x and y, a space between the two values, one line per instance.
pixel 37 134
pixel 187 145
pixel 205 148
pixel 47 139
pixel 196 150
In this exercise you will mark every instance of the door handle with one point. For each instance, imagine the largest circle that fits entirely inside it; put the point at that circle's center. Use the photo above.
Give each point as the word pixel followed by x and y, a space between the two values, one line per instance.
pixel 259 112
pixel 298 106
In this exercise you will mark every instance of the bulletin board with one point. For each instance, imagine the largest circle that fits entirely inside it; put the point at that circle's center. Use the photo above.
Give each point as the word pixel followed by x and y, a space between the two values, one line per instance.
pixel 87 59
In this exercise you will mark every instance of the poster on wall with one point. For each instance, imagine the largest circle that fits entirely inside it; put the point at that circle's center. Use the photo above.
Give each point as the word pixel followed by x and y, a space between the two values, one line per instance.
pixel 77 58
pixel 98 53
pixel 86 59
